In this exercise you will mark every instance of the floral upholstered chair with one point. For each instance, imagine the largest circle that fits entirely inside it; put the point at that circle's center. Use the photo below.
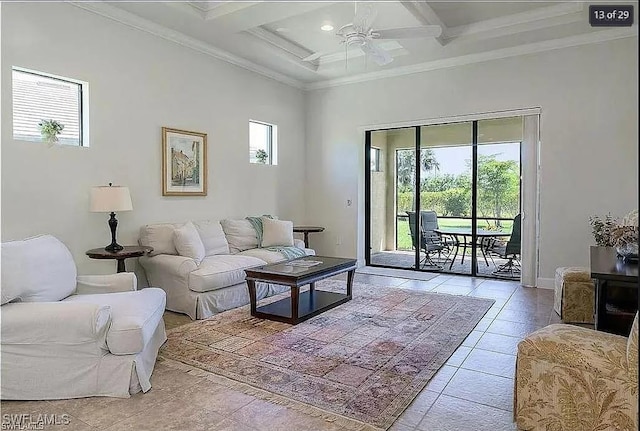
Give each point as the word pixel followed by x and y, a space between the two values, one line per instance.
pixel 572 379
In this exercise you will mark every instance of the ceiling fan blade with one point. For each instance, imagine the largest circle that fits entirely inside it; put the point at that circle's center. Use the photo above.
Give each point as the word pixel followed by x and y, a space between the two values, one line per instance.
pixel 410 32
pixel 365 15
pixel 377 54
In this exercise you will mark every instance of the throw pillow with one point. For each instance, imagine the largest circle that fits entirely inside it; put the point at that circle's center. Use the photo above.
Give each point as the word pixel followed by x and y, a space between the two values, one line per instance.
pixel 240 235
pixel 159 237
pixel 188 242
pixel 276 232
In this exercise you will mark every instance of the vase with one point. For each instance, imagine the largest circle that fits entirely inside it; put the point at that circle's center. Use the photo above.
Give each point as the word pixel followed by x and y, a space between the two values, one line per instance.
pixel 50 139
pixel 628 251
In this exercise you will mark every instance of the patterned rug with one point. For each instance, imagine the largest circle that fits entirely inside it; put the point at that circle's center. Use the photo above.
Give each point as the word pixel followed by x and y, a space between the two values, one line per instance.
pixel 365 360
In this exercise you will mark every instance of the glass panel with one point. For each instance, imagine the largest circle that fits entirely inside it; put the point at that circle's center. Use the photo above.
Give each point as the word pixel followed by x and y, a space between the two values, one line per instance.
pixel 445 197
pixel 392 196
pixel 498 201
pixel 259 143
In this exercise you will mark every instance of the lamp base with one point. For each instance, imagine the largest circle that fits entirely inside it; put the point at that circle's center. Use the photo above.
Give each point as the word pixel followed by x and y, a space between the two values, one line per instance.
pixel 113 247
pixel 113 224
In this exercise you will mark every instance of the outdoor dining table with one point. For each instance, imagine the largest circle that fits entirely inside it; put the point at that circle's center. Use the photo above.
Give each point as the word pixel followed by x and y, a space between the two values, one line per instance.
pixel 460 235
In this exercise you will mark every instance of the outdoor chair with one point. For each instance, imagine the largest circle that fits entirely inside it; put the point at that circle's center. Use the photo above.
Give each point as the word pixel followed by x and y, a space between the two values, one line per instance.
pixel 429 241
pixel 509 251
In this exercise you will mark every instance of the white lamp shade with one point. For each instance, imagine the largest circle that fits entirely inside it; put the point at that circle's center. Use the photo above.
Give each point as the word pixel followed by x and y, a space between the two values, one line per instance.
pixel 110 199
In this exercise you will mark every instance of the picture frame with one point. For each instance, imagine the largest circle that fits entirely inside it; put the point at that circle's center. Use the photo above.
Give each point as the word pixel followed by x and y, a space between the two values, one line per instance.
pixel 184 163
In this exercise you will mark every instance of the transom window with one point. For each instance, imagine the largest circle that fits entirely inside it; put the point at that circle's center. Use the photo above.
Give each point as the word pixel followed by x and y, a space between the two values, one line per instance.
pixel 39 97
pixel 262 143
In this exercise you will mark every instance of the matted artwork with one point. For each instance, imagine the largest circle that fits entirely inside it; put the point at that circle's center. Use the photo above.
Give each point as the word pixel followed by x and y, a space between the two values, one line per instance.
pixel 184 163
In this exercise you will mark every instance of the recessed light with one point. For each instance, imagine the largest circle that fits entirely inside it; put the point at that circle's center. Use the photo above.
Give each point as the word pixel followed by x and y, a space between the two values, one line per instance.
pixel 282 29
pixel 326 27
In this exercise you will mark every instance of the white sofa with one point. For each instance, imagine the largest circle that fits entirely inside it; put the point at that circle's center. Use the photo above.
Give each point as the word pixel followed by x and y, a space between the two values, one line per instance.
pixel 70 336
pixel 203 288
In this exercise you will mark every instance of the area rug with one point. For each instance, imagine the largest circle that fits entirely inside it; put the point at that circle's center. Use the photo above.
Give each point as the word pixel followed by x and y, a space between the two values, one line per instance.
pixel 365 360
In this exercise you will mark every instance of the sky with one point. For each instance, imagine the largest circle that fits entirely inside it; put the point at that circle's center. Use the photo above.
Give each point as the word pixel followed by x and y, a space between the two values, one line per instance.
pixel 452 160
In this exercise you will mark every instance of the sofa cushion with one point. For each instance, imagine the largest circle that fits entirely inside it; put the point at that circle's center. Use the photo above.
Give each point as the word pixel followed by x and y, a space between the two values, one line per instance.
pixel 216 272
pixel 240 235
pixel 212 237
pixel 160 237
pixel 134 317
pixel 188 243
pixel 276 233
pixel 38 269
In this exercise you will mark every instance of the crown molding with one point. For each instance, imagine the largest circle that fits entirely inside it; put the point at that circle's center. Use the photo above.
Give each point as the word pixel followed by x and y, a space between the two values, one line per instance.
pixel 139 23
pixel 531 48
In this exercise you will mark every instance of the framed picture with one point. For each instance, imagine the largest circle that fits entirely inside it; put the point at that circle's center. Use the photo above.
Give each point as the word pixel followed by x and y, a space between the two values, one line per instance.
pixel 184 163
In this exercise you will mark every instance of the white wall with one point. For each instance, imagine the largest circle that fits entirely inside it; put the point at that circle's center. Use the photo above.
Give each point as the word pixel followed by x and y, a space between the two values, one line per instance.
pixel 139 83
pixel 589 132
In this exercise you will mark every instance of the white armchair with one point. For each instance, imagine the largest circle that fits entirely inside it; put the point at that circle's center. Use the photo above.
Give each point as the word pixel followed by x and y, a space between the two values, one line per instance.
pixel 70 336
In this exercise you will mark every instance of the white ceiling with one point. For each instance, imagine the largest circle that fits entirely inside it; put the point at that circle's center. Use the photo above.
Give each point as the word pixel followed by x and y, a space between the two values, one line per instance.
pixel 272 37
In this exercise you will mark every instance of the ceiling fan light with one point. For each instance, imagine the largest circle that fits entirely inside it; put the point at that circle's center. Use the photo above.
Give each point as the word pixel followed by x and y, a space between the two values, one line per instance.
pixel 326 27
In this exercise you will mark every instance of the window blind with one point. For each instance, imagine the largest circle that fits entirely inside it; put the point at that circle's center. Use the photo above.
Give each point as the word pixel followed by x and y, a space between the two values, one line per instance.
pixel 38 97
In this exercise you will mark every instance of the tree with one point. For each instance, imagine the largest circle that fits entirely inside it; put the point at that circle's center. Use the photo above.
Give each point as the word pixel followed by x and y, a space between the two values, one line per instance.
pixel 498 185
pixel 406 172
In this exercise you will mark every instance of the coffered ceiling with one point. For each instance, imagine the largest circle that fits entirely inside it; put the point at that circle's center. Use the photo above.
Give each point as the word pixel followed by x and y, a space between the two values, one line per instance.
pixel 275 37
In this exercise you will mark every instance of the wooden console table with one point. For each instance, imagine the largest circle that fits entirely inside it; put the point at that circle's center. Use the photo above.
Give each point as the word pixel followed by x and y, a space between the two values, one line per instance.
pixel 616 290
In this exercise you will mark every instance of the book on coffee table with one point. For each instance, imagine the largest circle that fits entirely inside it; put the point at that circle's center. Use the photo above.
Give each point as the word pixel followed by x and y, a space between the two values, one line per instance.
pixel 304 263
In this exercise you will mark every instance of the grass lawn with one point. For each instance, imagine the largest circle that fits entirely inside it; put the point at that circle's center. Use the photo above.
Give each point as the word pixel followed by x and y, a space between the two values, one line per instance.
pixel 404 235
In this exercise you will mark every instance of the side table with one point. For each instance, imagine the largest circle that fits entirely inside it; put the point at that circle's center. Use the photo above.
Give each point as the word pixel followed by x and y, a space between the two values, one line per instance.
pixel 616 290
pixel 306 230
pixel 120 256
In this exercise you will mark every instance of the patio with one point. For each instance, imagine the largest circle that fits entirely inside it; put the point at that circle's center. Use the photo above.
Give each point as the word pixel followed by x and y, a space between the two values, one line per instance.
pixel 406 259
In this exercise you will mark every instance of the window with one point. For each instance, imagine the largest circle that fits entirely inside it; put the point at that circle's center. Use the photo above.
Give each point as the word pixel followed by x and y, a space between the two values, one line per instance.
pixel 262 143
pixel 38 96
pixel 375 159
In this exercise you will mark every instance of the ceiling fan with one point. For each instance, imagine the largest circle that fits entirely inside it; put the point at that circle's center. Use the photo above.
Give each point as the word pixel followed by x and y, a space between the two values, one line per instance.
pixel 360 33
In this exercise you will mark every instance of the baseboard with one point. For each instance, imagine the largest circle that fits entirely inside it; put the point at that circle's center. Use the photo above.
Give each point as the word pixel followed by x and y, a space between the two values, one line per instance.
pixel 545 283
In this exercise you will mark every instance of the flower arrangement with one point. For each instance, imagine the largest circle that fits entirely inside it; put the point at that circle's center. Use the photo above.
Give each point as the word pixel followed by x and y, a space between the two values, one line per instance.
pixel 621 234
pixel 49 129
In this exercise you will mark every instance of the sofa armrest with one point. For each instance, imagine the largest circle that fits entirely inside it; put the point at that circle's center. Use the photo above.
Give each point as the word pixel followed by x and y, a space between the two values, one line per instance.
pixel 169 272
pixel 69 323
pixel 111 283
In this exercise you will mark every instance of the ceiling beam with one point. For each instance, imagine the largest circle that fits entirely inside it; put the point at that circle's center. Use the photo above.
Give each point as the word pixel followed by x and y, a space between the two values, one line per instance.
pixel 426 15
pixel 285 48
pixel 535 19
pixel 245 16
pixel 226 8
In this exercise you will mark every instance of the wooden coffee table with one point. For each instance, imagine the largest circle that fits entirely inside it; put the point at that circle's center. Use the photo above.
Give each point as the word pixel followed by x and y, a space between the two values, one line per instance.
pixel 300 306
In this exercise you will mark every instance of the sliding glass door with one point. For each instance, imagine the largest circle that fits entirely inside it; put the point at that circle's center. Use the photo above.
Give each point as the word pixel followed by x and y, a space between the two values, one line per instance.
pixel 446 185
pixel 445 197
pixel 390 181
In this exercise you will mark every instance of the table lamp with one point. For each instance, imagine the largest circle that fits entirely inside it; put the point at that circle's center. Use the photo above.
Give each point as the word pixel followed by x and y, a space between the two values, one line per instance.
pixel 111 198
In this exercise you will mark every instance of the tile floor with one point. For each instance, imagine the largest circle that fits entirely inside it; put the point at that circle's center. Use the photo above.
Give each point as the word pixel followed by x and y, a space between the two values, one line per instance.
pixel 472 391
